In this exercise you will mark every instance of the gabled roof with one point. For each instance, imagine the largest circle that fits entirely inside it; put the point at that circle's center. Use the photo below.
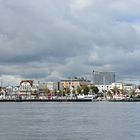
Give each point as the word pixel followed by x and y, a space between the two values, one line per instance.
pixel 29 81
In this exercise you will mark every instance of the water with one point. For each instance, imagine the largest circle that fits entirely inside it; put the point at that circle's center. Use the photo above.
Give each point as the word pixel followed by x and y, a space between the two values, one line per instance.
pixel 70 121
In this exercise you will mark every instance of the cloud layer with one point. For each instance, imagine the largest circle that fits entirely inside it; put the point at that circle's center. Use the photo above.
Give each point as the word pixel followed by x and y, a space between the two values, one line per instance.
pixel 51 40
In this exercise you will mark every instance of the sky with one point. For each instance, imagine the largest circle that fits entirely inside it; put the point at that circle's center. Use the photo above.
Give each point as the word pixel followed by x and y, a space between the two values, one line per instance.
pixel 50 40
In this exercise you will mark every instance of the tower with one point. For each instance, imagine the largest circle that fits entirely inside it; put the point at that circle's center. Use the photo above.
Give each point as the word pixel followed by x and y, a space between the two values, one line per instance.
pixel 103 78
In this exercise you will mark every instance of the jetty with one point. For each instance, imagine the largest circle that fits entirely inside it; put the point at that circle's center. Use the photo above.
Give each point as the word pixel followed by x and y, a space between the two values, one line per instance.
pixel 47 100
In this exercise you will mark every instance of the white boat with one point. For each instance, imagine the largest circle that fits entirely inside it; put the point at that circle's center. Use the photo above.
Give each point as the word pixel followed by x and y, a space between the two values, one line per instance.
pixel 86 96
pixel 119 97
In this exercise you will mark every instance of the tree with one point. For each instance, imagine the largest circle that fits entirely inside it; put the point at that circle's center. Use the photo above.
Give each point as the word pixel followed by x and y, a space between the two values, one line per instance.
pixel 115 91
pixel 66 91
pixel 35 93
pixel 132 93
pixel 79 90
pixel 46 91
pixel 85 89
pixel 94 89
pixel 73 91
pixel 109 94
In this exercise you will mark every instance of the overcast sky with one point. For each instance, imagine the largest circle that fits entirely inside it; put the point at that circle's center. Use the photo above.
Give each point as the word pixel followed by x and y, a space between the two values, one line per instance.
pixel 50 40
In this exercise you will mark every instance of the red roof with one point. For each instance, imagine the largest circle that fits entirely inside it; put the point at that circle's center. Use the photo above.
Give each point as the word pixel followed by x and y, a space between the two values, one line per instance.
pixel 29 81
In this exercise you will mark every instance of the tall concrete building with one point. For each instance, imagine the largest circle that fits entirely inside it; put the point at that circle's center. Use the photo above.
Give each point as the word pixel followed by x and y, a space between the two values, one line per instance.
pixel 103 78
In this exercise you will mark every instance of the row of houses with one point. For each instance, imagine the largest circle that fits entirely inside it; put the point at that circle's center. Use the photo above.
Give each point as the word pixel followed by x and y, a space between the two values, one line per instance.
pixel 32 87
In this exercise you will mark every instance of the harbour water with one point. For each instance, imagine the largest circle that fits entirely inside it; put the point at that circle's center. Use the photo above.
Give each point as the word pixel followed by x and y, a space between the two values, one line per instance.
pixel 70 121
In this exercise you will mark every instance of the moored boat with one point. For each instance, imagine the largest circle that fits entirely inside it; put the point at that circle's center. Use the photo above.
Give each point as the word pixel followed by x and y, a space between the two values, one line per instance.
pixel 89 96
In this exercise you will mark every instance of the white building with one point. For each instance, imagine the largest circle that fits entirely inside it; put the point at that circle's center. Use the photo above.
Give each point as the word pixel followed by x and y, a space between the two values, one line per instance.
pixel 104 88
pixel 119 85
pixel 27 87
pixel 129 87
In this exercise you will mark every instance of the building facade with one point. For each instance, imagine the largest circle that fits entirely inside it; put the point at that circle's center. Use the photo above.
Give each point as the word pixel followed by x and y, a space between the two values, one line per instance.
pixel 28 87
pixel 51 86
pixel 74 83
pixel 103 78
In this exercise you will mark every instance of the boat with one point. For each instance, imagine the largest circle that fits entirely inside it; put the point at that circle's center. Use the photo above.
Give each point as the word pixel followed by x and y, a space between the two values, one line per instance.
pixel 120 97
pixel 89 96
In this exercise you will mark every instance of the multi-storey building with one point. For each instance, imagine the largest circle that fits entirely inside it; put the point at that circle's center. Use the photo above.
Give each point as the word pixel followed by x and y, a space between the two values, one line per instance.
pixel 28 86
pixel 51 86
pixel 103 78
pixel 74 83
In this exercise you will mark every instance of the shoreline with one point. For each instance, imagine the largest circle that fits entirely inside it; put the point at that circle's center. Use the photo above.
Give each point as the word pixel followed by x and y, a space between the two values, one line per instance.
pixel 46 100
pixel 66 100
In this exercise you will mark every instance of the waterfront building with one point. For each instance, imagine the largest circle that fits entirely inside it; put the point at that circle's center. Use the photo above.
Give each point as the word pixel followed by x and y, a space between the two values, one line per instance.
pixel 11 90
pixel 15 89
pixel 129 87
pixel 122 87
pixel 137 91
pixel 74 83
pixel 2 93
pixel 28 87
pixel 103 78
pixel 104 88
pixel 51 86
pixel 118 85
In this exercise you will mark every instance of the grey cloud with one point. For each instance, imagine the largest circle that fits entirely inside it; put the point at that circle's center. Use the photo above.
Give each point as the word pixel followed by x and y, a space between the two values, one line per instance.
pixel 57 39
